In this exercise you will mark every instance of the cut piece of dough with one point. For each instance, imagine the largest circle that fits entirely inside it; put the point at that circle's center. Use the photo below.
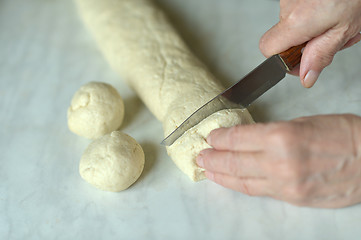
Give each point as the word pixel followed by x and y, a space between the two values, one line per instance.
pixel 113 162
pixel 142 46
pixel 95 110
pixel 186 148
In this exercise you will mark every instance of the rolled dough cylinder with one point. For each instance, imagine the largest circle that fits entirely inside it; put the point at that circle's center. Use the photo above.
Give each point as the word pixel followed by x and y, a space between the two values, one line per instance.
pixel 141 45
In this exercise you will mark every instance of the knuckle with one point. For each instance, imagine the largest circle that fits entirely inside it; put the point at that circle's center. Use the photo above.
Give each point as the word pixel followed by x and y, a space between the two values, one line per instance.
pixel 245 189
pixel 324 58
pixel 331 43
pixel 234 133
pixel 235 130
pixel 262 45
pixel 283 136
pixel 296 17
pixel 291 171
pixel 208 158
pixel 285 140
pixel 219 179
pixel 230 165
pixel 290 20
pixel 348 31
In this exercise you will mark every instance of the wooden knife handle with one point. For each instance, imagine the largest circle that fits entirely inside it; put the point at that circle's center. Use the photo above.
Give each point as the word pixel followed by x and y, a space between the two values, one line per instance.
pixel 292 56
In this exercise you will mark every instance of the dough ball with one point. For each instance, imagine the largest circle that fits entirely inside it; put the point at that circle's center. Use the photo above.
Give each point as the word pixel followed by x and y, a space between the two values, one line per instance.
pixel 96 109
pixel 112 162
pixel 187 147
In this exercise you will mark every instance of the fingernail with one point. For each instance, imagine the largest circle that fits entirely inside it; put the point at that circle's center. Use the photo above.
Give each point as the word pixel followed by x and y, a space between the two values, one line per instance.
pixel 200 160
pixel 209 175
pixel 310 78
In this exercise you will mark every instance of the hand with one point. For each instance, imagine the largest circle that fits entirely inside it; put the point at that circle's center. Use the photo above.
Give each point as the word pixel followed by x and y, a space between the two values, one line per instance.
pixel 328 25
pixel 310 161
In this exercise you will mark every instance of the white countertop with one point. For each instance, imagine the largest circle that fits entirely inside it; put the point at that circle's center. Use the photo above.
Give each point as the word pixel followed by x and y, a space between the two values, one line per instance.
pixel 46 55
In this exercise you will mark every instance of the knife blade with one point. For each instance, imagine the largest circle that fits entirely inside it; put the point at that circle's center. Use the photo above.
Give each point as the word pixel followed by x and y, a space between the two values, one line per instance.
pixel 245 91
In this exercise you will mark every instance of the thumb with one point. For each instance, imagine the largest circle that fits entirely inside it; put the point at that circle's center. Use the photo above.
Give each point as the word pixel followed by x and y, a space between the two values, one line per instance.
pixel 318 54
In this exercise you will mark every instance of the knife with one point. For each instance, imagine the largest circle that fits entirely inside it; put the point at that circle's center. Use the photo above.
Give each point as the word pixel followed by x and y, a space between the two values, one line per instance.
pixel 245 91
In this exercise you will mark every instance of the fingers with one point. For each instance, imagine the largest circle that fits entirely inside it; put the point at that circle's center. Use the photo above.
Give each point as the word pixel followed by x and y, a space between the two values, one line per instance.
pixel 318 54
pixel 328 31
pixel 286 34
pixel 238 164
pixel 249 186
pixel 300 21
pixel 237 138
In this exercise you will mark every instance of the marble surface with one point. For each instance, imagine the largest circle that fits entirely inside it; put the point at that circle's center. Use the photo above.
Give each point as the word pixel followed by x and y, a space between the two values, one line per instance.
pixel 46 55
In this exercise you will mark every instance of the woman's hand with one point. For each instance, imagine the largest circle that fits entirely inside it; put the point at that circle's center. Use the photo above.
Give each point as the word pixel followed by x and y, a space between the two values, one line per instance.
pixel 328 25
pixel 310 161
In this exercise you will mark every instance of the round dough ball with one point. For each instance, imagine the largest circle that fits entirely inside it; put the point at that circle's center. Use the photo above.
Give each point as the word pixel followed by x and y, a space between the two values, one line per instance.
pixel 96 109
pixel 112 162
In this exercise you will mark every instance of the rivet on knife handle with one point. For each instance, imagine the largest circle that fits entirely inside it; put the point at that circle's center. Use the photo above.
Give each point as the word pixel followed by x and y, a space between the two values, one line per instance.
pixel 292 57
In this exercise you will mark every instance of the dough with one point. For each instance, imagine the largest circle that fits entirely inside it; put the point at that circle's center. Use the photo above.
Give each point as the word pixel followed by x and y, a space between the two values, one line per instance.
pixel 112 162
pixel 186 148
pixel 96 109
pixel 141 45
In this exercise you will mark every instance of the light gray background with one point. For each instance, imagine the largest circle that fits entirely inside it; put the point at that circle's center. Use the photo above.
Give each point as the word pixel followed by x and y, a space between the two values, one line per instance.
pixel 46 55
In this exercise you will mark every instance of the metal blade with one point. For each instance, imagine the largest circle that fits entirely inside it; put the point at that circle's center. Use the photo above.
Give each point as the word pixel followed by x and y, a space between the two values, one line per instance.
pixel 240 95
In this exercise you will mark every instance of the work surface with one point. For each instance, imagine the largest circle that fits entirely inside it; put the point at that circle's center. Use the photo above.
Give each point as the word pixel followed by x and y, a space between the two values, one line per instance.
pixel 46 55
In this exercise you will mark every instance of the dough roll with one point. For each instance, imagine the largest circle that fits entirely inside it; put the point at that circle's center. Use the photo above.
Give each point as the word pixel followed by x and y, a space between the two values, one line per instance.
pixel 145 50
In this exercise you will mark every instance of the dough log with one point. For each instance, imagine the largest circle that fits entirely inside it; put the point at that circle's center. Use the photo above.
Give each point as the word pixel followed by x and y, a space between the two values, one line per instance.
pixel 144 49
